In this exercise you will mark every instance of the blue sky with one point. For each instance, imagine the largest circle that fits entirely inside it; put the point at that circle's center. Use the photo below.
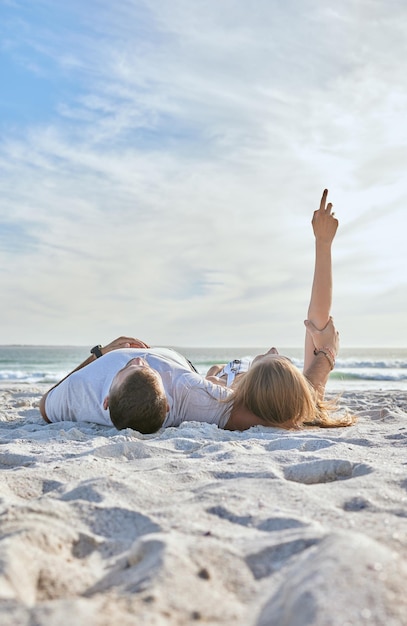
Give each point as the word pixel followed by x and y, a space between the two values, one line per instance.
pixel 161 160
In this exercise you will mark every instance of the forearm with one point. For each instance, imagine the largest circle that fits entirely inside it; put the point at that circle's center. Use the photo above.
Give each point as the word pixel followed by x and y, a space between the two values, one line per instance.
pixel 321 294
pixel 318 373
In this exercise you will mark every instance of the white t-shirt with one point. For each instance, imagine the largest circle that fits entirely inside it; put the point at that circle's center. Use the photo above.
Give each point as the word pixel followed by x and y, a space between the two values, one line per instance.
pixel 79 398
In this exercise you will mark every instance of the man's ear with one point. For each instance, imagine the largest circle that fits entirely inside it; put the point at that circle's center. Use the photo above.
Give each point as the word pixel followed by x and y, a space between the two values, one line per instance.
pixel 106 403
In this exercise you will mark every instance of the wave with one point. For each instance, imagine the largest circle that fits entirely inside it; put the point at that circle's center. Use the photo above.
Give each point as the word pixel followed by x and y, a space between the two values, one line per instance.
pixel 355 374
pixel 373 375
pixel 22 376
pixel 48 365
pixel 371 364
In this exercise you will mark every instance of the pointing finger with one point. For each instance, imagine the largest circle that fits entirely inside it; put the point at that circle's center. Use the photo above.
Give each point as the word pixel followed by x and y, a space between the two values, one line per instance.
pixel 323 200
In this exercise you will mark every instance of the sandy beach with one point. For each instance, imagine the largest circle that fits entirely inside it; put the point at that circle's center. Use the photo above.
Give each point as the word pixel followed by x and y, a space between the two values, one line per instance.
pixel 199 525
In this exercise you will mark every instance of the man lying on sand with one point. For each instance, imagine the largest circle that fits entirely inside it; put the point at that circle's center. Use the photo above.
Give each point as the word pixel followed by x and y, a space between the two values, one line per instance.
pixel 135 386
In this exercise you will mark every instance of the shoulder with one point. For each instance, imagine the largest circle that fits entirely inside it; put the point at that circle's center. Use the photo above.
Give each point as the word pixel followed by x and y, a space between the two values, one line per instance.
pixel 170 356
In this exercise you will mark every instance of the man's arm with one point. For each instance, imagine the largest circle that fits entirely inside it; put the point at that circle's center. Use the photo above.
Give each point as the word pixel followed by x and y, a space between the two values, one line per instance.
pixel 324 225
pixel 120 342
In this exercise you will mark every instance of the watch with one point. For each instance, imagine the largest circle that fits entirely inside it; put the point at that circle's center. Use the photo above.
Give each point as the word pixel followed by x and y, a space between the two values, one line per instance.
pixel 97 351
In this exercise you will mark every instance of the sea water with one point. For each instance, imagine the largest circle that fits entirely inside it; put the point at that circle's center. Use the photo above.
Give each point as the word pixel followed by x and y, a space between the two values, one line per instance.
pixel 356 368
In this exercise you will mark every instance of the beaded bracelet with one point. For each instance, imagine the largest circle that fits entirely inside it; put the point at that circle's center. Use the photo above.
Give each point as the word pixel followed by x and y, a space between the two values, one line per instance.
pixel 328 354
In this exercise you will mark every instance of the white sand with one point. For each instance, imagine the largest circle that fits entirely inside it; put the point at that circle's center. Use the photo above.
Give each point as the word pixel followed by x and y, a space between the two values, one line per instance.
pixel 200 525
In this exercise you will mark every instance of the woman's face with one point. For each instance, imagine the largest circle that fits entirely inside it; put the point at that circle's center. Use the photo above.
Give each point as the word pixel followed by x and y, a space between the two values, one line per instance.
pixel 261 357
pixel 271 354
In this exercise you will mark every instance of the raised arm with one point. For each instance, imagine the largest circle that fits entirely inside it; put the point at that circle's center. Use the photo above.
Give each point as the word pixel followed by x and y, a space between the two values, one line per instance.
pixel 324 225
pixel 120 342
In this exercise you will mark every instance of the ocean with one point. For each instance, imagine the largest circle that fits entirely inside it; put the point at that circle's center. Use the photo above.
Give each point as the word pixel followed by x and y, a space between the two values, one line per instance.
pixel 356 368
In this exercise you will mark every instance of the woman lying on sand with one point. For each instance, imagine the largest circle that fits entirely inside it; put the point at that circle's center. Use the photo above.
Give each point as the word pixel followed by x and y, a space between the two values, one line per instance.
pixel 135 386
pixel 269 385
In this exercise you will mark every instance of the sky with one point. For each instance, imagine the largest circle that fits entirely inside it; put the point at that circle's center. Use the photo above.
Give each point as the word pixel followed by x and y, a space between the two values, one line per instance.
pixel 160 162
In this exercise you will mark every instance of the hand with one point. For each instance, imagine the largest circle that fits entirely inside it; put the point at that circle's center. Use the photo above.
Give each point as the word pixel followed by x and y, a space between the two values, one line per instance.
pixel 124 342
pixel 324 223
pixel 214 370
pixel 328 337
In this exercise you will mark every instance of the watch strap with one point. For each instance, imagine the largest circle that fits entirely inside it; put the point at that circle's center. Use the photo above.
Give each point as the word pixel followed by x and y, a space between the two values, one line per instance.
pixel 97 351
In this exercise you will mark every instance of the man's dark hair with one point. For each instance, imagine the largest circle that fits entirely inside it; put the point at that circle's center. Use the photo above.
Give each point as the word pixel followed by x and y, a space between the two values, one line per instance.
pixel 138 403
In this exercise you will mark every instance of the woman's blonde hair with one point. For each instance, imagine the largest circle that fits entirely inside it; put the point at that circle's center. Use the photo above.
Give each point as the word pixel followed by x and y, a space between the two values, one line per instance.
pixel 275 390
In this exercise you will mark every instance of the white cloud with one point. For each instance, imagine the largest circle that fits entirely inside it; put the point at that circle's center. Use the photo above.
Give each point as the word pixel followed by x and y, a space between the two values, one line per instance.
pixel 172 191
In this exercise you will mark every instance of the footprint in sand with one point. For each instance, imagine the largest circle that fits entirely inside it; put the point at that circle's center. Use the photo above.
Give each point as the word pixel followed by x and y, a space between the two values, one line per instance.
pixel 134 570
pixel 229 475
pixel 272 558
pixel 346 578
pixel 306 444
pixel 22 485
pixel 360 442
pixel 48 549
pixel 9 460
pixel 271 524
pixel 399 439
pixel 325 471
pixel 358 503
pixel 224 513
pixel 274 524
